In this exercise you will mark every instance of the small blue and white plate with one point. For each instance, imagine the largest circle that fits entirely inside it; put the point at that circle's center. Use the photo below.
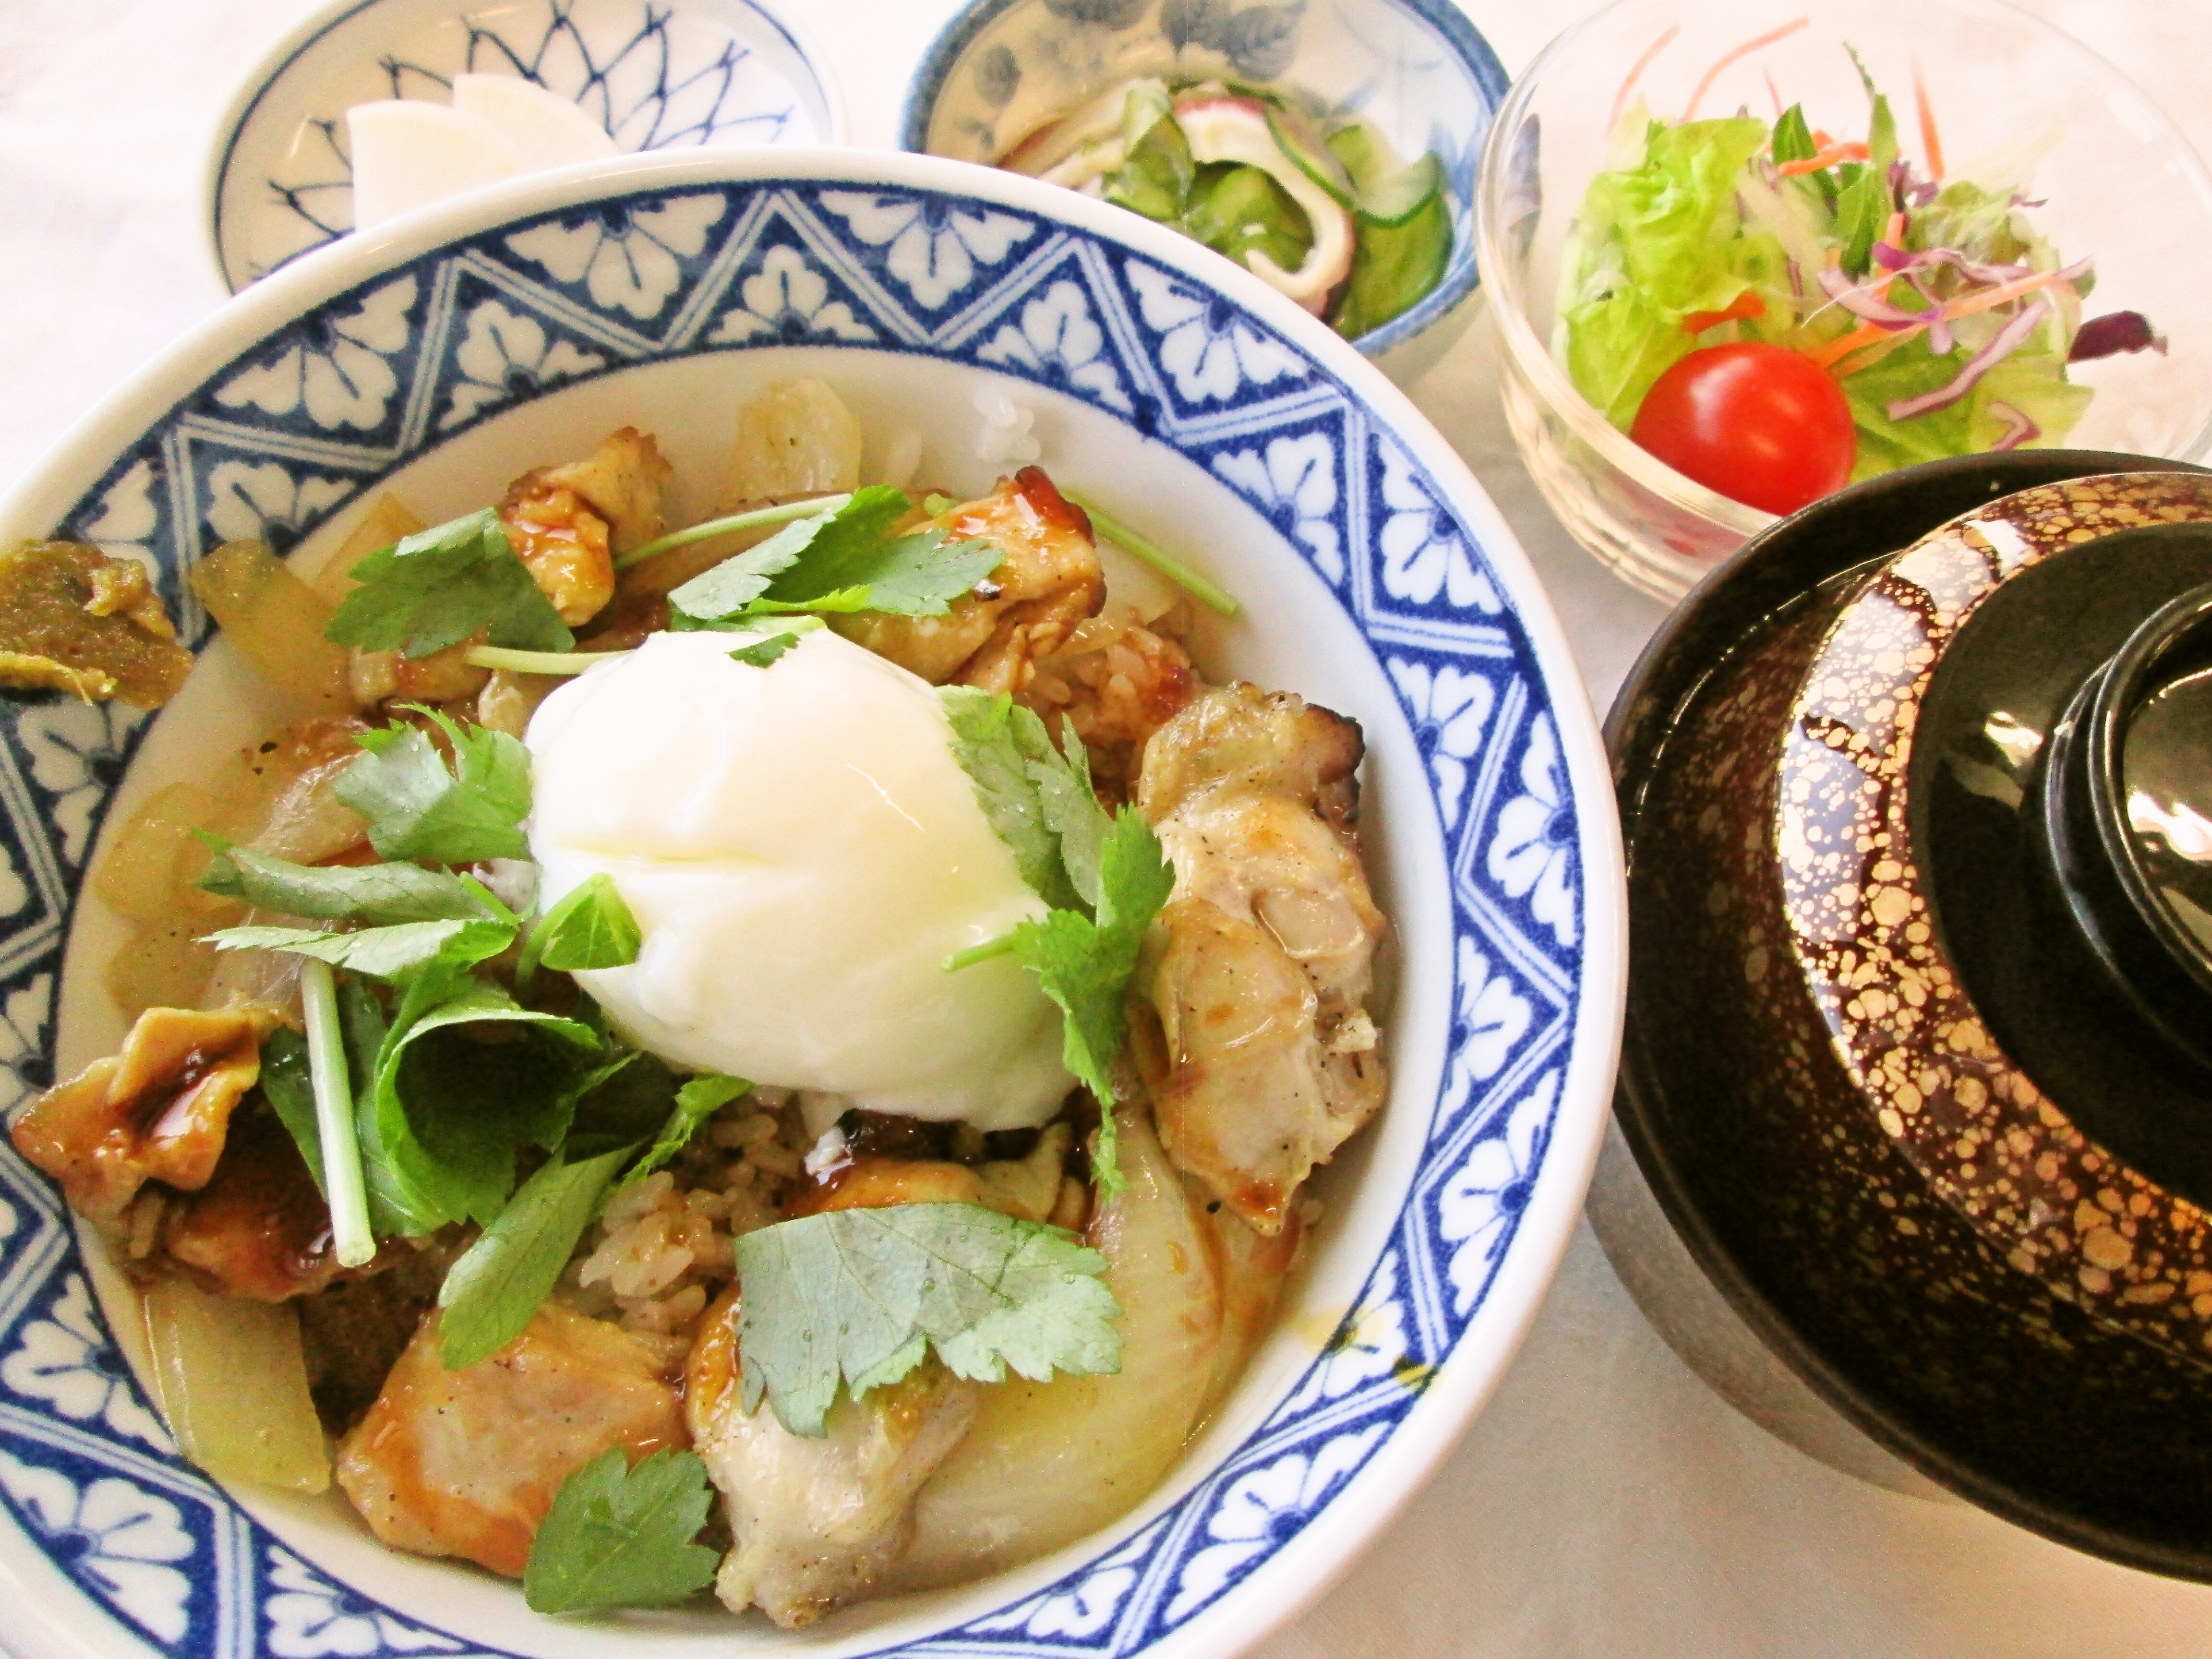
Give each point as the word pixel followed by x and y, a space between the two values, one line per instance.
pixel 1417 69
pixel 441 356
pixel 656 74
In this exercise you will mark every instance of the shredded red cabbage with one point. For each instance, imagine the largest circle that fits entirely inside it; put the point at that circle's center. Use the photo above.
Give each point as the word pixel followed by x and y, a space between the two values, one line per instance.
pixel 2000 347
pixel 2112 333
pixel 1864 300
pixel 2018 428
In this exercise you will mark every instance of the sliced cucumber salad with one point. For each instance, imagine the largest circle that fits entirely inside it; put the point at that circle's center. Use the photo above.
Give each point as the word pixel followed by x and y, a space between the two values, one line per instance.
pixel 1327 215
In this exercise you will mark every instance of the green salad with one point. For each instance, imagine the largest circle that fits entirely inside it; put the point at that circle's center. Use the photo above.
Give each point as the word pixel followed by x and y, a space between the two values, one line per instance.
pixel 1946 320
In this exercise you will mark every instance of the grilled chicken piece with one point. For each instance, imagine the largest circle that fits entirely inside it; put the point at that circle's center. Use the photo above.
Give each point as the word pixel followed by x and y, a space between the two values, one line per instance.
pixel 1049 582
pixel 157 1111
pixel 1029 1190
pixel 566 523
pixel 468 1462
pixel 1260 963
pixel 260 1228
pixel 376 677
pixel 817 1522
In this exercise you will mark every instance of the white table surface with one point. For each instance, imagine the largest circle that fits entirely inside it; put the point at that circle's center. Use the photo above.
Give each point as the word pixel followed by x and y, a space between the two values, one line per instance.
pixel 1605 1503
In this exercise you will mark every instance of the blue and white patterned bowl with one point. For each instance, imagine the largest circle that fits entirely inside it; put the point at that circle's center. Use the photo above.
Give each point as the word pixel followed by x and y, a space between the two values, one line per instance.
pixel 443 355
pixel 1416 68
pixel 656 74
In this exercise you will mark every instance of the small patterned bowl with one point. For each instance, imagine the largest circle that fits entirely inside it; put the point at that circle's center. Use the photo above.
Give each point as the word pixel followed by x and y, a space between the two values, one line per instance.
pixel 478 337
pixel 656 74
pixel 1416 68
pixel 1914 1119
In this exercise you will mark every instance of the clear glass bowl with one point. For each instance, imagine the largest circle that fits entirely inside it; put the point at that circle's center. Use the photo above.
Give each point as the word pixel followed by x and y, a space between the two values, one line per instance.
pixel 2117 182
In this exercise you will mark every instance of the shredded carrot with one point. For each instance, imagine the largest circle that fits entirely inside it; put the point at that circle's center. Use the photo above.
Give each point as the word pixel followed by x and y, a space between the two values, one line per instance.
pixel 1930 140
pixel 1868 333
pixel 1745 306
pixel 1893 231
pixel 1820 139
pixel 1744 51
pixel 1773 92
pixel 1620 98
pixel 1853 151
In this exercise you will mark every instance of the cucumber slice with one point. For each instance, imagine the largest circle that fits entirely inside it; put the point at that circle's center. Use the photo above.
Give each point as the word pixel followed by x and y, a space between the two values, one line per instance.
pixel 1236 210
pixel 1364 154
pixel 1311 157
pixel 1397 197
pixel 1395 265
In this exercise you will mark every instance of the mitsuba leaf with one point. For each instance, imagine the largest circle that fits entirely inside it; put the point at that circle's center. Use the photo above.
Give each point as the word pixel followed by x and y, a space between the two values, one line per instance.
pixel 1038 801
pixel 444 585
pixel 697 1100
pixel 417 808
pixel 1084 965
pixel 379 952
pixel 767 651
pixel 489 1294
pixel 627 1104
pixel 622 1537
pixel 857 1296
pixel 843 560
pixel 466 1077
pixel 291 1092
pixel 381 894
pixel 588 926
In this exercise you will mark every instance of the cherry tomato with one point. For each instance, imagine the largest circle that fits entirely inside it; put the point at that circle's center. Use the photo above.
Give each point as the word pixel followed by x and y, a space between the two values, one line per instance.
pixel 1759 423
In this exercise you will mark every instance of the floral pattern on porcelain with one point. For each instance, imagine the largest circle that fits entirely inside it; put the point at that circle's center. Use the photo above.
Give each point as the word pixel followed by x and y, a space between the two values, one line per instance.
pixel 653 74
pixel 85 1475
pixel 1002 68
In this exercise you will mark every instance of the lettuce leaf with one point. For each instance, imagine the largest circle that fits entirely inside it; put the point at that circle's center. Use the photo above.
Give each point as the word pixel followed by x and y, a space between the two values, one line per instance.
pixel 1654 243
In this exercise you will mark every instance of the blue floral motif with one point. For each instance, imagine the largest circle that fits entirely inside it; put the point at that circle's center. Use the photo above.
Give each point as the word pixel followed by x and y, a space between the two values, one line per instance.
pixel 66 1361
pixel 1263 1507
pixel 1371 1345
pixel 1058 339
pixel 1211 351
pixel 506 354
pixel 22 1032
pixel 273 443
pixel 120 1540
pixel 1481 1203
pixel 933 253
pixel 1450 708
pixel 1532 849
pixel 630 261
pixel 265 501
pixel 1294 482
pixel 787 301
pixel 340 374
pixel 127 519
pixel 76 751
pixel 311 1618
pixel 1082 1610
pixel 1424 552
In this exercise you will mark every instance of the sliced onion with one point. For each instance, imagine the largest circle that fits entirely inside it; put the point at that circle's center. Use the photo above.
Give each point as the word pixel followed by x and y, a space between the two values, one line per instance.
pixel 1865 301
pixel 2001 346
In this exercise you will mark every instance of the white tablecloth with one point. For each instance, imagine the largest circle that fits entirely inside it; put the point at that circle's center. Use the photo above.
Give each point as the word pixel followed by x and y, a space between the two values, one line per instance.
pixel 1605 1504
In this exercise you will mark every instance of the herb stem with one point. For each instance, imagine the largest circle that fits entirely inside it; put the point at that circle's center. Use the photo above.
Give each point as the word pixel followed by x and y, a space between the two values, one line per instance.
pixel 1213 597
pixel 538 662
pixel 758 517
pixel 334 1122
pixel 975 953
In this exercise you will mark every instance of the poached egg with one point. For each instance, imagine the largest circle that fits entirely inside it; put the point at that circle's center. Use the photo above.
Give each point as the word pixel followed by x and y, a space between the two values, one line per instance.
pixel 802 852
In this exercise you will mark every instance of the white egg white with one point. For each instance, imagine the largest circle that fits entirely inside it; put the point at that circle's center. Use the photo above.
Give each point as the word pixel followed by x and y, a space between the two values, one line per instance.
pixel 802 852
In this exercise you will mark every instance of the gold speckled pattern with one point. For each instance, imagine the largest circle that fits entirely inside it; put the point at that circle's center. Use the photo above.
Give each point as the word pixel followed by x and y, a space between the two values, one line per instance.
pixel 2047 1199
